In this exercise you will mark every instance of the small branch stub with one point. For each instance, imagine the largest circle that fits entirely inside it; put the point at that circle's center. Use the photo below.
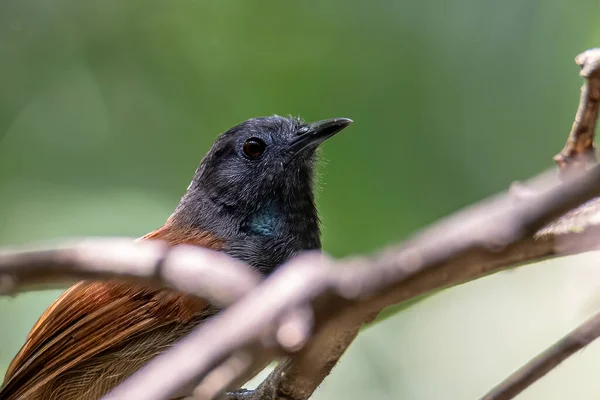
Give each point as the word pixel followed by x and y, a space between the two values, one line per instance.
pixel 579 151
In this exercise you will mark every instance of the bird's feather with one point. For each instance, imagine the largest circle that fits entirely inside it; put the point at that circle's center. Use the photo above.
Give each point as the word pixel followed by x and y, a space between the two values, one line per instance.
pixel 97 333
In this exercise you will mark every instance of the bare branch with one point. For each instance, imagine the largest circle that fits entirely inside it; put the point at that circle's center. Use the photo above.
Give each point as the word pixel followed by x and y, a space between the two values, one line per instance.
pixel 520 380
pixel 287 290
pixel 475 242
pixel 579 149
pixel 202 272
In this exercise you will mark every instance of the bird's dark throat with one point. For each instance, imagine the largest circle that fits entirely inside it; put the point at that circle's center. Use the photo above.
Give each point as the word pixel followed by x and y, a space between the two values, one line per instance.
pixel 263 236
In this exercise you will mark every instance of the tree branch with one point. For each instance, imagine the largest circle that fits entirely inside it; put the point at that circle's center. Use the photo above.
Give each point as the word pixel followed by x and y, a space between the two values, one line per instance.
pixel 579 149
pixel 520 380
pixel 209 274
pixel 485 238
pixel 480 240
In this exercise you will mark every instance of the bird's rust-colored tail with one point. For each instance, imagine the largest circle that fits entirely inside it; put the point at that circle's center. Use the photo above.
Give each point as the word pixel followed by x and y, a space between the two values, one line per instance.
pixel 98 333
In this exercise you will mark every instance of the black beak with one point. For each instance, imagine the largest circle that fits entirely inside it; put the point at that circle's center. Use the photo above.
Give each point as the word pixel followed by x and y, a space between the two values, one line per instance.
pixel 315 133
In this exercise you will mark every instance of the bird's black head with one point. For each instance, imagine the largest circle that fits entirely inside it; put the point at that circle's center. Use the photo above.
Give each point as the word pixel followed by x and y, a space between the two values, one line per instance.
pixel 254 189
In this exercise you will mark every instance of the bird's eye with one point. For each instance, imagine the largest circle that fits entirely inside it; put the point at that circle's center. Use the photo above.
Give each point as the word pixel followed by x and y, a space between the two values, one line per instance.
pixel 254 148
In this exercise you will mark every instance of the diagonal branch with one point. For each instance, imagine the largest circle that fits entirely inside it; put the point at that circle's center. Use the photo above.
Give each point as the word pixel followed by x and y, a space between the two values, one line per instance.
pixel 341 296
pixel 480 240
pixel 546 361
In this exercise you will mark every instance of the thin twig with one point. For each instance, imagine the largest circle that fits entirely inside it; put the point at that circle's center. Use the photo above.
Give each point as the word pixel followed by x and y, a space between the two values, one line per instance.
pixel 521 379
pixel 579 151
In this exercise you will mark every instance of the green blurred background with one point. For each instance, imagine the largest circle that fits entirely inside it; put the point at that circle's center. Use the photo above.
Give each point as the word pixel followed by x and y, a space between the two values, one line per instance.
pixel 106 108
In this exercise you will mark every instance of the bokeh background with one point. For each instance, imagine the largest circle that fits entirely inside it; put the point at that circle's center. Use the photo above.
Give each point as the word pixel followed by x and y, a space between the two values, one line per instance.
pixel 106 108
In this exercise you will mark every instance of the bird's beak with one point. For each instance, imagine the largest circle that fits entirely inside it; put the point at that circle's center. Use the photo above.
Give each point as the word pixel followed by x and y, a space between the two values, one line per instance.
pixel 315 133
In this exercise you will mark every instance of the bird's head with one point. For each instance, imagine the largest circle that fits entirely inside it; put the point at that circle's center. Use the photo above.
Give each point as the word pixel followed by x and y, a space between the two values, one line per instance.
pixel 254 188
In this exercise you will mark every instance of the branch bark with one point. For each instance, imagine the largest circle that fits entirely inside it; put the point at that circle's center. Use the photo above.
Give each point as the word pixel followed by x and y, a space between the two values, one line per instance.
pixel 212 275
pixel 579 150
pixel 341 296
pixel 576 340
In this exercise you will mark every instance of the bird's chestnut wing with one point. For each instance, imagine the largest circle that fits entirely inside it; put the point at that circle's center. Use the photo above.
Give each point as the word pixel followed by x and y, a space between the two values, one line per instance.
pixel 105 329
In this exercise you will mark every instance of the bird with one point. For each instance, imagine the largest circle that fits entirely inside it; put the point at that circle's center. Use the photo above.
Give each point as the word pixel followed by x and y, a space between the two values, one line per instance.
pixel 252 198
